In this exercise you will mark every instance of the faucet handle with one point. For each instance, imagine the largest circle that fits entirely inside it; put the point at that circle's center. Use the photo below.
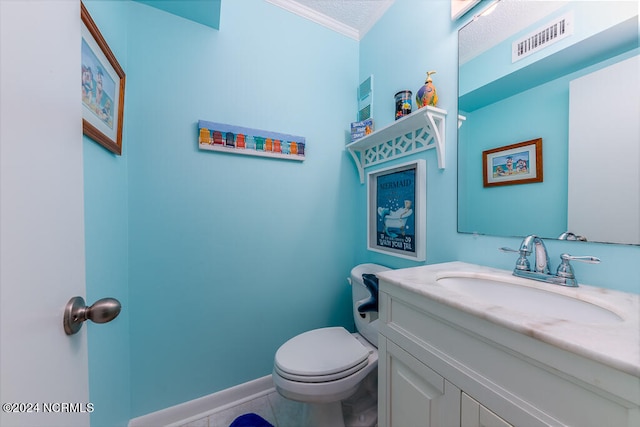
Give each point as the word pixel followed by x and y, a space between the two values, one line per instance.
pixel 522 263
pixel 565 270
pixel 588 259
pixel 505 249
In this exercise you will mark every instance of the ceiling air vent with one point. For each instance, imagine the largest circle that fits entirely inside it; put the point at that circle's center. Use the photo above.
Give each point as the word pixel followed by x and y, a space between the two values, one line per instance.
pixel 542 37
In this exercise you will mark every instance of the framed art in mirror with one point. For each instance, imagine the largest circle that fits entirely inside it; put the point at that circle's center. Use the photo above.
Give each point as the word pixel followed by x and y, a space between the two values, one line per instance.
pixel 396 214
pixel 513 164
pixel 103 82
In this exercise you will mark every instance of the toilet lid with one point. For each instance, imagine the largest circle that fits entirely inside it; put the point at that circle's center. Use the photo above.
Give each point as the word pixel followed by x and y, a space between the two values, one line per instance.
pixel 321 353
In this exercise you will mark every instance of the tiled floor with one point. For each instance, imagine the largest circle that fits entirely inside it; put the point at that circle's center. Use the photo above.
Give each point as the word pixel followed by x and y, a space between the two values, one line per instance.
pixel 277 410
pixel 359 410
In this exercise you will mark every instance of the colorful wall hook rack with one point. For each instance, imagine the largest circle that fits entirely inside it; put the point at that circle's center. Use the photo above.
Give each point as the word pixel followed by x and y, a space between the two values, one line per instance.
pixel 253 142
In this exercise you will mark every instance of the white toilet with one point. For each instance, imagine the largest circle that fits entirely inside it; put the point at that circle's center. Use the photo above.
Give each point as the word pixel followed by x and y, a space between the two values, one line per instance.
pixel 325 366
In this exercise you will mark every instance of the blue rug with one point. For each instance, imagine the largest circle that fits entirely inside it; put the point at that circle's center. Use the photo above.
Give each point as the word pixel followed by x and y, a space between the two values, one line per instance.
pixel 250 420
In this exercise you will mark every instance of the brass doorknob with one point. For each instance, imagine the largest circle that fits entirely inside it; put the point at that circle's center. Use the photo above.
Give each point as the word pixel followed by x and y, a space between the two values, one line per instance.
pixel 76 312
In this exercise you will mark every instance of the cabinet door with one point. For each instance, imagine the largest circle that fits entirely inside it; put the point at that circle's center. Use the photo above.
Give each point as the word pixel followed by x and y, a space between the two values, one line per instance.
pixel 473 414
pixel 411 394
pixel 614 132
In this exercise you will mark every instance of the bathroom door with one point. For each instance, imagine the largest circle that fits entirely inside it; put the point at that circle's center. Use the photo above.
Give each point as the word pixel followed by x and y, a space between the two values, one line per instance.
pixel 43 372
pixel 603 152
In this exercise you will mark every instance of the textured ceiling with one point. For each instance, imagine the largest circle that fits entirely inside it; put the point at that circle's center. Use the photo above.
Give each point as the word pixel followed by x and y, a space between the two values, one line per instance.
pixel 355 17
pixel 358 14
pixel 352 18
pixel 509 17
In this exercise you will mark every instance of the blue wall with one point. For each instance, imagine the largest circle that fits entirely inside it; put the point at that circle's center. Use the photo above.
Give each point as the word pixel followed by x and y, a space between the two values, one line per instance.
pixel 106 248
pixel 496 209
pixel 230 256
pixel 413 37
pixel 225 257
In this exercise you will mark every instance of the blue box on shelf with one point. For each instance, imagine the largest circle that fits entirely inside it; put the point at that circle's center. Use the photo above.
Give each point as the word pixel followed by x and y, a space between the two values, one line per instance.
pixel 360 129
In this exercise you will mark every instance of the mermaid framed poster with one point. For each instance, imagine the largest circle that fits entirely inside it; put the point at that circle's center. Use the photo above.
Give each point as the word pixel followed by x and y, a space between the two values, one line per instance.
pixel 102 88
pixel 396 210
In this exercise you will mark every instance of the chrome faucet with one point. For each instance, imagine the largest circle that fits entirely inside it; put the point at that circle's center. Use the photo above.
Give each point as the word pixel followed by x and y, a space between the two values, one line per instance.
pixel 535 244
pixel 567 235
pixel 564 274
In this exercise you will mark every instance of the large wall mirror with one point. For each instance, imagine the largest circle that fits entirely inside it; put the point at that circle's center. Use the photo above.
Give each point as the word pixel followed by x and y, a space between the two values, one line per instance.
pixel 567 73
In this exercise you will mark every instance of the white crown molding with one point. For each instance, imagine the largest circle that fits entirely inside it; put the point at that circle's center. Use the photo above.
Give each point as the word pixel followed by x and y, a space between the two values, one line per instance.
pixel 317 17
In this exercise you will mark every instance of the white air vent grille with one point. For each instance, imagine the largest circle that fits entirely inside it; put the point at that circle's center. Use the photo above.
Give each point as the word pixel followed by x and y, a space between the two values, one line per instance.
pixel 542 37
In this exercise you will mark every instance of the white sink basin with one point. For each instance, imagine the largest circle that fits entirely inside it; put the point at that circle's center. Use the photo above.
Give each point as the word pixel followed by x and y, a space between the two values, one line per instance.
pixel 529 300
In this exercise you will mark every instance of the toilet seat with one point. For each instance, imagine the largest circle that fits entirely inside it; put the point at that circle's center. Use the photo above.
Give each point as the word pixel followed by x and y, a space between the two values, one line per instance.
pixel 321 355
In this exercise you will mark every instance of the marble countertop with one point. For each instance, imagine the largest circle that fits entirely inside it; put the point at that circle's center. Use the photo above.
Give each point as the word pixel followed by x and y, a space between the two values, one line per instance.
pixel 615 343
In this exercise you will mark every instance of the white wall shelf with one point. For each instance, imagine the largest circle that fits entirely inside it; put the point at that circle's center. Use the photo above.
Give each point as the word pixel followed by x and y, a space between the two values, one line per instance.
pixel 419 131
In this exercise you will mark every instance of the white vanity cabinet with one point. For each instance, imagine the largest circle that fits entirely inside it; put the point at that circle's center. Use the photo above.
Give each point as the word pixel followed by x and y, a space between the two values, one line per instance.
pixel 414 395
pixel 443 366
pixel 473 414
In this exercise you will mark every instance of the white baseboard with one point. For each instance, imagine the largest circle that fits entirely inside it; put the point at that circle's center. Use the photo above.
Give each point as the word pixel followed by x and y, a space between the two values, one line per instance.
pixel 206 405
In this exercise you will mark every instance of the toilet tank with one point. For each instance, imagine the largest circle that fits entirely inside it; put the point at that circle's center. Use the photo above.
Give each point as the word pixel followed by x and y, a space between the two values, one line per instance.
pixel 366 323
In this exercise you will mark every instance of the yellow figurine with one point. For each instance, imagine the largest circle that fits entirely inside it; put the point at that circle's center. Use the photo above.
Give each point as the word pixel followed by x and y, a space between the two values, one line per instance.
pixel 427 94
